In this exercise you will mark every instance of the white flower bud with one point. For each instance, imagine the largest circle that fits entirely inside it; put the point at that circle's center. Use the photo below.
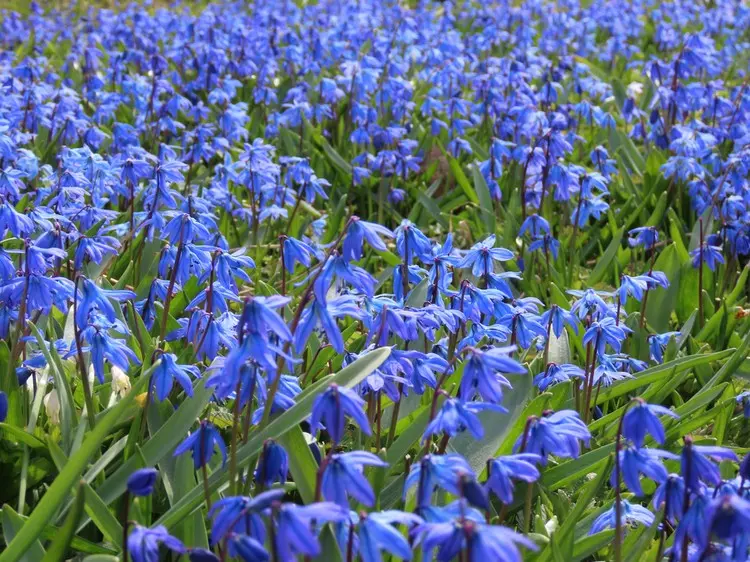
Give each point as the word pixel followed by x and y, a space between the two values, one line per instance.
pixel 120 381
pixel 52 407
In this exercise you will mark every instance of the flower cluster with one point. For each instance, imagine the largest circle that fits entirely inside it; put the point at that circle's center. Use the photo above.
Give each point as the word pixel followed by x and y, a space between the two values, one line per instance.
pixel 362 280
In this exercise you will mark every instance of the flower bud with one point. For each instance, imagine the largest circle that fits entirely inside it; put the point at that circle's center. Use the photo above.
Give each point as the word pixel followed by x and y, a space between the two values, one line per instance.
pixel 141 482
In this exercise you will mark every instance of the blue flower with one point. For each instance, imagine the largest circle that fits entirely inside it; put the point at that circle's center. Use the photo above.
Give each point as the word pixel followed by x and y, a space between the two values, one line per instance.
pixel 558 317
pixel 642 418
pixel 259 317
pixel 455 416
pixel 632 286
pixel 728 516
pixel 696 465
pixel 293 527
pixel 3 406
pixel 241 515
pixel 92 298
pixel 246 548
pixel 102 346
pixel 359 231
pixel 203 555
pixel 706 254
pixel 142 481
pixel 143 543
pixel 325 314
pixel 411 243
pixel 482 255
pixel 431 471
pixel 296 251
pixel 603 332
pixel 330 408
pixel 482 373
pixel 273 464
pixel 631 514
pixel 547 244
pixel 535 225
pixel 669 495
pixel 201 443
pixel 556 433
pixel 657 343
pixel 743 398
pixel 646 236
pixel 556 374
pixel 343 477
pixel 502 471
pixel 485 542
pixel 376 533
pixel 167 371
pixel 634 461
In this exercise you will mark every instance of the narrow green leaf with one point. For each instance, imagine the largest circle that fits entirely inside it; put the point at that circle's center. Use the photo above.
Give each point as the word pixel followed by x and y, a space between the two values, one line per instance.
pixel 13 525
pixel 58 548
pixel 21 436
pixel 486 205
pixel 602 264
pixel 68 416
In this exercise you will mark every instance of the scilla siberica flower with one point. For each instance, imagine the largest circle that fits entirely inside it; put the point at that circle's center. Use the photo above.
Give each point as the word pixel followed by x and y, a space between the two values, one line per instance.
pixel 142 481
pixel 168 371
pixel 504 470
pixel 482 373
pixel 202 443
pixel 708 255
pixel 295 534
pixel 431 471
pixel 697 466
pixel 482 255
pixel 641 419
pixel 632 513
pixel 376 532
pixel 273 464
pixel 143 543
pixel 343 477
pixel 455 416
pixel 331 407
pixel 555 433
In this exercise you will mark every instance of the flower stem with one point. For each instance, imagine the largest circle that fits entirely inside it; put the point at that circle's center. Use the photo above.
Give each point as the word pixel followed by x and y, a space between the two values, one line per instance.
pixel 87 395
pixel 233 444
pixel 618 498
pixel 700 275
pixel 125 515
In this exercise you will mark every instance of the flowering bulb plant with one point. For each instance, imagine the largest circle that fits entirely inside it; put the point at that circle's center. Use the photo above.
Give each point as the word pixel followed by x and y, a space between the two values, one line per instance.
pixel 425 280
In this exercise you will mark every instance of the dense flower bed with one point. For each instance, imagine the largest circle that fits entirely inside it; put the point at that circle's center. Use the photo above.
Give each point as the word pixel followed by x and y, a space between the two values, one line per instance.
pixel 375 281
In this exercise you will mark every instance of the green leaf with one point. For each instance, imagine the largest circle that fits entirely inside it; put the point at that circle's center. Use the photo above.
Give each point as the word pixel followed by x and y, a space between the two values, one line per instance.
pixel 570 471
pixel 68 416
pixel 348 377
pixel 60 488
pixel 96 509
pixel 658 372
pixel 730 367
pixel 461 178
pixel 21 436
pixel 588 545
pixel 13 524
pixel 486 206
pixel 302 464
pixel 60 544
pixel 602 264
